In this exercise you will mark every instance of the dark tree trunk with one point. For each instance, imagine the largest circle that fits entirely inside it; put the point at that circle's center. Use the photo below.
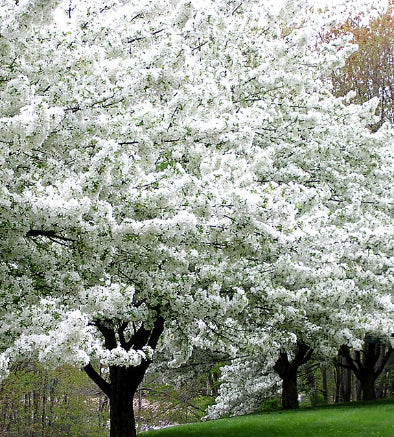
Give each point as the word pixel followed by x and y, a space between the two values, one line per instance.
pixel 344 377
pixel 124 384
pixel 337 374
pixel 368 388
pixel 324 384
pixel 290 392
pixel 287 370
pixel 346 380
pixel 358 390
pixel 368 365
pixel 122 416
pixel 124 381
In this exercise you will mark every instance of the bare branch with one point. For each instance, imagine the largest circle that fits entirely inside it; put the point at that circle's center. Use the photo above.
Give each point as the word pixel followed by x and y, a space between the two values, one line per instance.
pixel 52 235
pixel 98 379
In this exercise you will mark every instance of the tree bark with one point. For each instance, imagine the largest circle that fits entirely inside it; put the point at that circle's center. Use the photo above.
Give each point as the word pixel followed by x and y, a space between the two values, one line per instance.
pixel 287 370
pixel 290 392
pixel 368 366
pixel 124 381
pixel 359 392
pixel 337 375
pixel 346 380
pixel 368 387
pixel 324 384
pixel 122 420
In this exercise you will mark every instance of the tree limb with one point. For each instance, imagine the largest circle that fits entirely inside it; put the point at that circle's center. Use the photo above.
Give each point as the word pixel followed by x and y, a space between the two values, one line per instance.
pixel 387 356
pixel 52 235
pixel 97 379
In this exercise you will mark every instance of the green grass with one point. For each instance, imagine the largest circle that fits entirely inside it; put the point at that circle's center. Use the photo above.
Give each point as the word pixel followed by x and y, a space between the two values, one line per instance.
pixel 351 420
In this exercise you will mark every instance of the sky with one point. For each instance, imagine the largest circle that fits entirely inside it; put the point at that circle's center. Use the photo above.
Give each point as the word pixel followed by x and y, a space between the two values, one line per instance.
pixel 342 7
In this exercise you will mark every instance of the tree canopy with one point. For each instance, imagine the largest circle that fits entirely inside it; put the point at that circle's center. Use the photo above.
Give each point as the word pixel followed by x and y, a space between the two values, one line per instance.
pixel 369 71
pixel 173 171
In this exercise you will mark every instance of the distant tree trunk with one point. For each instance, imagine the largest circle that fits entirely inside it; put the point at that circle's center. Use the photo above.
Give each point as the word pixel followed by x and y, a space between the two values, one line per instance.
pixel 343 378
pixel 44 413
pixel 324 384
pixel 213 384
pixel 346 380
pixel 358 390
pixel 337 376
pixel 310 378
pixel 124 381
pixel 383 389
pixel 287 370
pixel 367 365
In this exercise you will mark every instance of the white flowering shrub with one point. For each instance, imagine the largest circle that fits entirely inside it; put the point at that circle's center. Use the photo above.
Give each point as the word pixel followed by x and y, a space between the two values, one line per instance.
pixel 246 383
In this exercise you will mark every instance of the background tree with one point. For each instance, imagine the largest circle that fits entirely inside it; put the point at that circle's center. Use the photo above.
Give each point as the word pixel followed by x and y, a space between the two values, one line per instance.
pixel 63 402
pixel 369 71
pixel 368 364
pixel 296 291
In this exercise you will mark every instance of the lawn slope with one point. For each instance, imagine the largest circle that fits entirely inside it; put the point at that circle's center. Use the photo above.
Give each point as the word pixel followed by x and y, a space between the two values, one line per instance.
pixel 351 420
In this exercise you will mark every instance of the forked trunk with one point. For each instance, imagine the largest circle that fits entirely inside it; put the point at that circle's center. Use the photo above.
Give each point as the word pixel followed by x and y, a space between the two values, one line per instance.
pixel 124 381
pixel 368 364
pixel 287 370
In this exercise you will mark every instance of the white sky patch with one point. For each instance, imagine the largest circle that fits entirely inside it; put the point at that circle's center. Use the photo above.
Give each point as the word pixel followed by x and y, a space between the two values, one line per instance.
pixel 342 8
pixel 61 19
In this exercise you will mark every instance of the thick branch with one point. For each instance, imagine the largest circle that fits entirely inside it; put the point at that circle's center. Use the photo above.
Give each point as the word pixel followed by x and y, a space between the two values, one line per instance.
pixel 139 339
pixel 384 361
pixel 282 364
pixel 52 235
pixel 146 337
pixel 351 363
pixel 97 379
pixel 122 339
pixel 108 334
pixel 156 332
pixel 357 360
pixel 303 354
pixel 307 356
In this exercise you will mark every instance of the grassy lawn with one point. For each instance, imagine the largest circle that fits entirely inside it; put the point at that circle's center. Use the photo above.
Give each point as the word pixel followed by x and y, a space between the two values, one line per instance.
pixel 351 420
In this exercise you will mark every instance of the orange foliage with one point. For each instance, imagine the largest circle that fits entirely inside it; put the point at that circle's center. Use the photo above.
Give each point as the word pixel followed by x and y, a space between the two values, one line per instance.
pixel 370 70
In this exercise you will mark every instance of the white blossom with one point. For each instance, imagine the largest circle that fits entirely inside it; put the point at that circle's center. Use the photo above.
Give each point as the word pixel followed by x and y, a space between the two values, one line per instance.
pixel 186 162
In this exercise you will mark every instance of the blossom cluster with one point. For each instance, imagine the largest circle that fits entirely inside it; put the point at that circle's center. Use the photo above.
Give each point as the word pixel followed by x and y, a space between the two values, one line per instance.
pixel 186 161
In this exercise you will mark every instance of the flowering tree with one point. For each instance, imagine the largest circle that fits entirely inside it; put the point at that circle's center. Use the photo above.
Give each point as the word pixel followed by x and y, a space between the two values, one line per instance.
pixel 315 260
pixel 106 125
pixel 369 71
pixel 166 163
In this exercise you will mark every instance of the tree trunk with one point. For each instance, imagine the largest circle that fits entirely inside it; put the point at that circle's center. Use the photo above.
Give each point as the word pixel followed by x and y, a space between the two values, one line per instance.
pixel 337 375
pixel 324 384
pixel 287 370
pixel 290 392
pixel 368 388
pixel 124 381
pixel 123 387
pixel 120 390
pixel 358 390
pixel 346 381
pixel 369 366
pixel 121 413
